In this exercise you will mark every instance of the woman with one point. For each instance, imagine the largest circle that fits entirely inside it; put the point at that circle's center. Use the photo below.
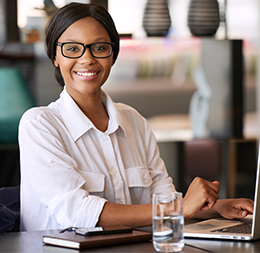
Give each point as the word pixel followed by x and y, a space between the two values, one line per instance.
pixel 87 161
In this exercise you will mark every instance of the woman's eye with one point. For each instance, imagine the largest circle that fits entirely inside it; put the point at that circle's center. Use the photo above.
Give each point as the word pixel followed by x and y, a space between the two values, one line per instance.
pixel 72 48
pixel 100 48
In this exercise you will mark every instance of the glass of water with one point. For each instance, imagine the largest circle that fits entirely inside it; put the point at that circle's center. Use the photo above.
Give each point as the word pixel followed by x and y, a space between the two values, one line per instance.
pixel 168 222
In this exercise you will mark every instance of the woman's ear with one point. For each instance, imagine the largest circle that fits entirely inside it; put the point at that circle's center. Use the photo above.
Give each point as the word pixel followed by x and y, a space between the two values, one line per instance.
pixel 56 63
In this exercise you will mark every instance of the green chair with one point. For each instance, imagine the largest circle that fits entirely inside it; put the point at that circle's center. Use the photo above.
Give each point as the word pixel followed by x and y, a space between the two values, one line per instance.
pixel 15 99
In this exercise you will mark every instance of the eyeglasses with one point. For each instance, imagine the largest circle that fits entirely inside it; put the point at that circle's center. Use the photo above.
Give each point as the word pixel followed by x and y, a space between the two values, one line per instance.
pixel 75 50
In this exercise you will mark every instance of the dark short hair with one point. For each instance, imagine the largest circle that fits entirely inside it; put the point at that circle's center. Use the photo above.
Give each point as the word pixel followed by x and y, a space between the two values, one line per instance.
pixel 66 16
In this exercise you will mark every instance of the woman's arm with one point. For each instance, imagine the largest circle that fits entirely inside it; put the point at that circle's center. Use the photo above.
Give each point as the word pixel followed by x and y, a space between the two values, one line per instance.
pixel 201 195
pixel 200 201
pixel 126 215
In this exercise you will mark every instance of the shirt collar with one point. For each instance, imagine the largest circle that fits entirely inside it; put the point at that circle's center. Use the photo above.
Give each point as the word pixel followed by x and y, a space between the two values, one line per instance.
pixel 78 123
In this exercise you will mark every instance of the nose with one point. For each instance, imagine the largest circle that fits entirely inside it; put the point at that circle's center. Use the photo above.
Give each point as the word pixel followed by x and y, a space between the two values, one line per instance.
pixel 87 57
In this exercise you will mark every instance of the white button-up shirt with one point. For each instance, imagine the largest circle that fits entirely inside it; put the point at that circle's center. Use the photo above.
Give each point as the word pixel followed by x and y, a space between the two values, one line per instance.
pixel 69 168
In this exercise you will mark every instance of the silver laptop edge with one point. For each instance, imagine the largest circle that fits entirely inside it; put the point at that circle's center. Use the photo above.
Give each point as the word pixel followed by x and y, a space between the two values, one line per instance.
pixel 256 215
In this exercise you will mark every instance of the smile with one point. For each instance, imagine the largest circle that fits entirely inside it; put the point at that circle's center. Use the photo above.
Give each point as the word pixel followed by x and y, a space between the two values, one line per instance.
pixel 86 74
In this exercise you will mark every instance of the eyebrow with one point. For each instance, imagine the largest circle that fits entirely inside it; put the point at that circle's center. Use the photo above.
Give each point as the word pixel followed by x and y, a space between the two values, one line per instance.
pixel 101 38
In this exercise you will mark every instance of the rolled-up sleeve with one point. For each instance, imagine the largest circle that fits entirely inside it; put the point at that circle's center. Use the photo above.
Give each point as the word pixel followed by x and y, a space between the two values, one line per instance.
pixel 162 182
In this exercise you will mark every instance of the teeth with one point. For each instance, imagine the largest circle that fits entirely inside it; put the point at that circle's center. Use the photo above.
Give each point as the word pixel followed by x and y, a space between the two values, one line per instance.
pixel 86 74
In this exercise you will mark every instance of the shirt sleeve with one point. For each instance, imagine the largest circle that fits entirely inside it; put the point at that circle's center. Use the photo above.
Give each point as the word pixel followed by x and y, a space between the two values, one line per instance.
pixel 162 182
pixel 52 175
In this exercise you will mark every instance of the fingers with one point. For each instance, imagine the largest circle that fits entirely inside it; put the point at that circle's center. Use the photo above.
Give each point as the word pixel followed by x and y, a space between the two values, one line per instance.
pixel 205 185
pixel 235 208
pixel 212 196
pixel 243 207
pixel 242 214
pixel 244 204
pixel 201 195
pixel 216 183
pixel 240 208
pixel 208 191
pixel 235 213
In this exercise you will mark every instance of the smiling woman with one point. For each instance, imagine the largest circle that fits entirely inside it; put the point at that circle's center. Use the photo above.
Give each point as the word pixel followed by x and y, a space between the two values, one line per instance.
pixel 101 148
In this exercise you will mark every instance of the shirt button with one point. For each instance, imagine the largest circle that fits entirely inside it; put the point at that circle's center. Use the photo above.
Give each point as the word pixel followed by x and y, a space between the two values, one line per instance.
pixel 114 171
pixel 105 137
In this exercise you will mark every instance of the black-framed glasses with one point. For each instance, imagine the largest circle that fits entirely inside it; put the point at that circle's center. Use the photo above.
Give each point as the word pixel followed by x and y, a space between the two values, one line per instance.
pixel 76 50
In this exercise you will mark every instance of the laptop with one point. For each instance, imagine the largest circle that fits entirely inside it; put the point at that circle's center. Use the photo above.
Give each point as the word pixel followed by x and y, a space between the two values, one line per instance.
pixel 245 229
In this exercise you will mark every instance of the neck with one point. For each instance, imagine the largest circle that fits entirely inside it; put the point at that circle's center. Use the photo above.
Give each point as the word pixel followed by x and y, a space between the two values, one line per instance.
pixel 92 106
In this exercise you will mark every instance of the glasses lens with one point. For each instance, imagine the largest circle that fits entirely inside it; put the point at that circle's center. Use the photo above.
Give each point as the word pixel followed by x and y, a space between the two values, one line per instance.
pixel 101 50
pixel 72 50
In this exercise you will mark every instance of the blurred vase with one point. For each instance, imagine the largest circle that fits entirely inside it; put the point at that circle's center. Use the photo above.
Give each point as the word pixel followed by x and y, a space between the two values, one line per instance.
pixel 15 99
pixel 203 17
pixel 156 19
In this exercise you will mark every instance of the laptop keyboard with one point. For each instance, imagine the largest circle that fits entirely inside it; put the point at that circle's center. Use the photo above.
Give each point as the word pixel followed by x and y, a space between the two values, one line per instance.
pixel 244 228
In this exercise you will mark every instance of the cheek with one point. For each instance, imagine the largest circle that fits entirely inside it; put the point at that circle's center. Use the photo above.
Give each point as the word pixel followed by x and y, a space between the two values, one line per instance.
pixel 109 65
pixel 64 64
pixel 107 72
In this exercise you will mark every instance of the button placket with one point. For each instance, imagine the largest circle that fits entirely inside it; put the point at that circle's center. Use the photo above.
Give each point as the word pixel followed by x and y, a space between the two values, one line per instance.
pixel 145 178
pixel 105 138
pixel 116 178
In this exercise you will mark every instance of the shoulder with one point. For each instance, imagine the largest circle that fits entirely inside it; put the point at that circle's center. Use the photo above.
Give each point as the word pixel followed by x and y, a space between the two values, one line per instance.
pixel 126 108
pixel 133 119
pixel 40 114
pixel 128 111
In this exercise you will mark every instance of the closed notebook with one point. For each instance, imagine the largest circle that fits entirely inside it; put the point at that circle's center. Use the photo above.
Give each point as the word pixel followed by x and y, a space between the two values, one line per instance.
pixel 72 240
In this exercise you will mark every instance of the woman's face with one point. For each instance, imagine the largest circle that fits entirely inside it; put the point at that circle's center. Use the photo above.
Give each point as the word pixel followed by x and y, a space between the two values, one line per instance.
pixel 84 75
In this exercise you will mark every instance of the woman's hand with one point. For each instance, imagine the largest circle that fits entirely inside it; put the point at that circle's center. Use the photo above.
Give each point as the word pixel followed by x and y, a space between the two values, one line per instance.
pixel 201 195
pixel 234 208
